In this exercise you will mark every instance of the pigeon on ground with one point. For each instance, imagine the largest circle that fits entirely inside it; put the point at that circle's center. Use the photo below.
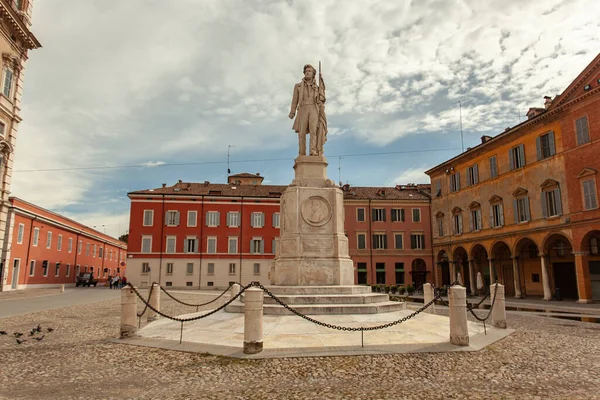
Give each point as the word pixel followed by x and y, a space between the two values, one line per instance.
pixel 39 328
pixel 19 341
pixel 39 338
pixel 3 333
pixel 32 332
pixel 18 334
pixel 49 329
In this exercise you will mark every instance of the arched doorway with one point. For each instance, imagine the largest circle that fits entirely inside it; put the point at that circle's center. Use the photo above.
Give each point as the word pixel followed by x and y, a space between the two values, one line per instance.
pixel 529 267
pixel 479 255
pixel 561 266
pixel 461 263
pixel 419 272
pixel 590 245
pixel 443 262
pixel 502 268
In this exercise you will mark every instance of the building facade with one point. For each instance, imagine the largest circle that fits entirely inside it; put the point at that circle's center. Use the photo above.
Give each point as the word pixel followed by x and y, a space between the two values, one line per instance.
pixel 16 40
pixel 522 206
pixel 45 249
pixel 202 235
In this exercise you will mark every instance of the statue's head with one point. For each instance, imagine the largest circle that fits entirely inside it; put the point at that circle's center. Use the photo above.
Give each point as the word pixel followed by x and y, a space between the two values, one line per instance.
pixel 309 72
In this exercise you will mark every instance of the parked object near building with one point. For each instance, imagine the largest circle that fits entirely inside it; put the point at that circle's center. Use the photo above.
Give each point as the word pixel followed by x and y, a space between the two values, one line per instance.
pixel 522 206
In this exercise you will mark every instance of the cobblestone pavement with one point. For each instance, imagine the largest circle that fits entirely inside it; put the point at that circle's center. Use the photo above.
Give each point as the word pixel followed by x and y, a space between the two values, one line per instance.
pixel 544 359
pixel 28 293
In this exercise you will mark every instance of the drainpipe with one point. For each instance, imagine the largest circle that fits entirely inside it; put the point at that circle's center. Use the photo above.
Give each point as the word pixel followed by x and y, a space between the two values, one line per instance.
pixel 200 240
pixel 241 241
pixel 162 227
pixel 370 240
pixel 76 253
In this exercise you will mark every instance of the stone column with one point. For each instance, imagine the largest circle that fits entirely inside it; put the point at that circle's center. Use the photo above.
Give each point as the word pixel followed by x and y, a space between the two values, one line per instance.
pixel 128 313
pixel 234 290
pixel 154 302
pixel 253 321
pixel 427 297
pixel 452 265
pixel 545 278
pixel 499 310
pixel 459 331
pixel 584 283
pixel 472 277
pixel 492 272
pixel 517 278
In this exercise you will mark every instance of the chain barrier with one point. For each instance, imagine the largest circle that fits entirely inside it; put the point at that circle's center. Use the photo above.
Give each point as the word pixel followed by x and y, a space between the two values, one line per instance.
pixel 242 289
pixel 196 305
pixel 470 306
pixel 147 302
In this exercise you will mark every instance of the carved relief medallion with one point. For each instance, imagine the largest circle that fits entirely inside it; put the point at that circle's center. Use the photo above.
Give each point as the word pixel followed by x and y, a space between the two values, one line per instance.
pixel 316 211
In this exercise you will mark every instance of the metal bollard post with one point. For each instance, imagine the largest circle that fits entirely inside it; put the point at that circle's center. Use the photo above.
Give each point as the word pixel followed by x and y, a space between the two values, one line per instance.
pixel 234 290
pixel 499 310
pixel 128 313
pixel 427 297
pixel 154 302
pixel 253 321
pixel 459 331
pixel 62 288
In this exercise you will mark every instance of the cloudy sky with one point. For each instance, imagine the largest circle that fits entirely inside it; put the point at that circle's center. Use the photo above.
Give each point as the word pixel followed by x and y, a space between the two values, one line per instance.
pixel 139 85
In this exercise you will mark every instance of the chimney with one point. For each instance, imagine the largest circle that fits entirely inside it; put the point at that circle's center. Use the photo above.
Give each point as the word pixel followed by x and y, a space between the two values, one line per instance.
pixel 485 138
pixel 547 102
pixel 206 183
pixel 164 185
pixel 179 181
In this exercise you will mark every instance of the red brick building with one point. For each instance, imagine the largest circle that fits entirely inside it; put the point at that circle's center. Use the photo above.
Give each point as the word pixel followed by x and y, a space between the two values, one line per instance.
pixel 46 249
pixel 208 235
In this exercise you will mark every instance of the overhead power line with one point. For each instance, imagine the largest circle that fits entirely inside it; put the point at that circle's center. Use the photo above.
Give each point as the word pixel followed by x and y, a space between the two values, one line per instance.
pixel 103 167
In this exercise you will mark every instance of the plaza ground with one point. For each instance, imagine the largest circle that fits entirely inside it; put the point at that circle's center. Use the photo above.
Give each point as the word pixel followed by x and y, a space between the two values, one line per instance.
pixel 546 358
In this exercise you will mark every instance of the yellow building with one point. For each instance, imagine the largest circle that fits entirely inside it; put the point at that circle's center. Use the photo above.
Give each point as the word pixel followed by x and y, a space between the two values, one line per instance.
pixel 16 40
pixel 503 208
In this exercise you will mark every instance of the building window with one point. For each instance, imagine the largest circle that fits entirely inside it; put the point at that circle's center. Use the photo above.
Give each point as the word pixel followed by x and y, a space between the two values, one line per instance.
pixel 189 269
pixel 257 220
pixel 36 236
pixel 2 129
pixel 545 146
pixel 589 194
pixel 455 182
pixel 496 215
pixel 172 218
pixel 276 220
pixel 20 233
pixel 145 268
pixel 57 269
pixel 256 269
pixel 170 244
pixel 169 268
pixel 231 268
pixel 360 215
pixel 192 218
pixel 516 156
pixel 8 78
pixel 94 252
pixel 398 239
pixel 100 251
pixel 417 241
pixel 146 244
pixel 49 240
pixel 457 225
pixel 79 246
pixel 379 241
pixel 31 267
pixel 399 269
pixel 521 206
pixel 148 217
pixel 593 245
pixel 493 167
pixel 380 273
pixel 233 245
pixel 551 203
pixel 68 270
pixel 475 220
pixel 416 215
pixel 233 219
pixel 378 214
pixel 211 245
pixel 362 273
pixel 583 132
pixel 210 284
pixel 361 239
pixel 189 284
pixel 191 245
pixel 398 214
pixel 440 225
pixel 438 188
pixel 70 245
pixel 45 267
pixel 213 218
pixel 211 269
pixel 472 175
pixel 257 246
pixel 168 283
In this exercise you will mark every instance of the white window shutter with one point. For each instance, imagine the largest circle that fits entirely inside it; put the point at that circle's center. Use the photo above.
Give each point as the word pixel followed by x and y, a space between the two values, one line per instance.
pixel 176 218
pixel 262 247
pixel 558 201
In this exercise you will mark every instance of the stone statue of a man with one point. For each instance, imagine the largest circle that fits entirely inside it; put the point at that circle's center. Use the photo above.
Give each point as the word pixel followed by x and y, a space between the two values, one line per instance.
pixel 309 102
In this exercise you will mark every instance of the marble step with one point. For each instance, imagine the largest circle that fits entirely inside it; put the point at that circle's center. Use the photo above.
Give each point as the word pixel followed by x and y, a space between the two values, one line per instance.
pixel 324 309
pixel 327 298
pixel 308 290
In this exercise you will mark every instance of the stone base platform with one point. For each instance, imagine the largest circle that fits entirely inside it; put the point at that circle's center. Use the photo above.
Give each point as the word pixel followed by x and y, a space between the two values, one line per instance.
pixel 290 336
pixel 323 300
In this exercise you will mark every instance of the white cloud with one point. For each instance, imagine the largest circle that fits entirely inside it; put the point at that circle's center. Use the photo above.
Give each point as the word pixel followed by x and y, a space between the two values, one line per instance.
pixel 412 175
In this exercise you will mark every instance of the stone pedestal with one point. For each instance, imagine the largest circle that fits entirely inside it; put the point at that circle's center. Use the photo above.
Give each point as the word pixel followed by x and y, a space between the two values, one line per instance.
pixel 154 302
pixel 459 330
pixel 253 321
pixel 428 296
pixel 312 248
pixel 128 313
pixel 499 310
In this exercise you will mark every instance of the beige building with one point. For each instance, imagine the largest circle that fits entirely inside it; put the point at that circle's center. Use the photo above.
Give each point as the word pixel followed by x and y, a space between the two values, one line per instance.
pixel 15 42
